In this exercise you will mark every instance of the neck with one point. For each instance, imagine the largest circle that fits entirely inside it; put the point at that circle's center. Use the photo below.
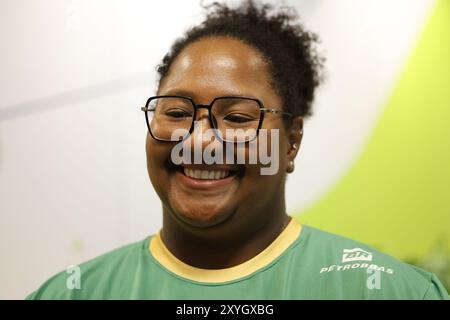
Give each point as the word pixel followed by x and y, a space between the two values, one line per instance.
pixel 227 244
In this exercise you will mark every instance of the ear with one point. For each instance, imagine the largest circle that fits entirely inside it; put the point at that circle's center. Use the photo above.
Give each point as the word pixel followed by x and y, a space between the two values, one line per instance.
pixel 294 139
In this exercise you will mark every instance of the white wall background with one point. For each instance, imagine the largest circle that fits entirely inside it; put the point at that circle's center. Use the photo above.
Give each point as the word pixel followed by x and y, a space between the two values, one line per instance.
pixel 73 179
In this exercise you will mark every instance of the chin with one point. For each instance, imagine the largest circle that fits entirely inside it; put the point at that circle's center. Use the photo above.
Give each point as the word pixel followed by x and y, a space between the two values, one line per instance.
pixel 203 218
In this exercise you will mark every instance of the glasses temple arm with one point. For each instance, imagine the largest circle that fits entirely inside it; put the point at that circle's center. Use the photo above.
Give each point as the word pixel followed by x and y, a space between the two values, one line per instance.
pixel 276 111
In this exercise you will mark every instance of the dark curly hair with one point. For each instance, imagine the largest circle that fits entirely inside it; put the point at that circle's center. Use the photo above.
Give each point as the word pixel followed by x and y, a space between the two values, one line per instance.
pixel 287 47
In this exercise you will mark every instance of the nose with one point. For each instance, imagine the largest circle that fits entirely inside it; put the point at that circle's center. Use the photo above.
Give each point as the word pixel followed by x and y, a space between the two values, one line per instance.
pixel 202 115
pixel 203 134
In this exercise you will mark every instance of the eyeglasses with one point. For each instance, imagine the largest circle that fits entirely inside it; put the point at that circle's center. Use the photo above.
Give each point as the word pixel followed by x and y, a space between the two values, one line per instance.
pixel 234 119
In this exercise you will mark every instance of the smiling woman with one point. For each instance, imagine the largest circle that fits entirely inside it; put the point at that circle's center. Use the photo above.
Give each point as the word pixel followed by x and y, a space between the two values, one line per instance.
pixel 226 234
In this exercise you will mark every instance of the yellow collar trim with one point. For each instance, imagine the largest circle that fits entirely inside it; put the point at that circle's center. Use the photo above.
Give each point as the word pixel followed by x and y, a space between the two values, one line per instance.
pixel 265 257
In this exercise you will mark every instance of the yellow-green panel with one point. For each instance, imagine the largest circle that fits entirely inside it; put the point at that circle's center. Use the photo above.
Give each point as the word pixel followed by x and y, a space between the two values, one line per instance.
pixel 396 196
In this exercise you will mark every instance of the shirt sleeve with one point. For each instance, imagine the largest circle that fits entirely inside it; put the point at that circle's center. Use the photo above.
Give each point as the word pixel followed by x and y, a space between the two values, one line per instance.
pixel 436 290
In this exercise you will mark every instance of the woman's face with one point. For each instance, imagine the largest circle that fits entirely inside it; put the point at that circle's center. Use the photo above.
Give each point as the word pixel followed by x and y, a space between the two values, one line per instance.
pixel 209 68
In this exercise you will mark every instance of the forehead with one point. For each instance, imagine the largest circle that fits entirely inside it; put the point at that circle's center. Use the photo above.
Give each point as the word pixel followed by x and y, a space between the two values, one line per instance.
pixel 219 65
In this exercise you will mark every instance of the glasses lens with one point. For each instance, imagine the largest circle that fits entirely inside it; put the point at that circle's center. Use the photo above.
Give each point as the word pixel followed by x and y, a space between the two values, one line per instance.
pixel 237 119
pixel 170 118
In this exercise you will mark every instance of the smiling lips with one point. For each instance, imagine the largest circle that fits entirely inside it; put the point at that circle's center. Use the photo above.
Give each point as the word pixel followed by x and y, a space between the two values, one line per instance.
pixel 206 174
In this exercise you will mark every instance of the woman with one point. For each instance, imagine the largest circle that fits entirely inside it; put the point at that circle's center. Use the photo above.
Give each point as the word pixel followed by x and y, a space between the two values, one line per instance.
pixel 249 75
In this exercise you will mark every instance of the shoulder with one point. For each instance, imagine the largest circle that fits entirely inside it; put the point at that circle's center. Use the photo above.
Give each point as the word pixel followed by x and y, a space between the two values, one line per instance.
pixel 88 279
pixel 365 271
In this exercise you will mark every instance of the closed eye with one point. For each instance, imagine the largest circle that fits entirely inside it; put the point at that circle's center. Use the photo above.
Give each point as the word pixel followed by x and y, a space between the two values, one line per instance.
pixel 236 118
pixel 178 113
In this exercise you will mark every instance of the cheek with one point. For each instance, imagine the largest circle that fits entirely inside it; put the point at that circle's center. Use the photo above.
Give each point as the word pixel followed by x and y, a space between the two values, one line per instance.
pixel 271 150
pixel 157 156
pixel 268 175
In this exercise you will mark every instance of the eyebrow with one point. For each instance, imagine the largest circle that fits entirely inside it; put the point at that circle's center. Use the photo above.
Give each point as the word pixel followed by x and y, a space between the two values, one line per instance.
pixel 192 95
pixel 179 92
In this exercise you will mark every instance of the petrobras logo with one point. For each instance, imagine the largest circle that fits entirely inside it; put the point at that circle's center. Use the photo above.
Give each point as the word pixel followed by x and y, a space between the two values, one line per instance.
pixel 356 265
pixel 356 258
pixel 356 254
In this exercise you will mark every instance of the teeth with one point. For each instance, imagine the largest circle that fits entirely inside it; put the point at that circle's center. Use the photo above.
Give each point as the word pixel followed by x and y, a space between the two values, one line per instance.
pixel 206 174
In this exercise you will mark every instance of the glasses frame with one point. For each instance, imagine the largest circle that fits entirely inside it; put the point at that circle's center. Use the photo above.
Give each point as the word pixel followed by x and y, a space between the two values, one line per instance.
pixel 263 110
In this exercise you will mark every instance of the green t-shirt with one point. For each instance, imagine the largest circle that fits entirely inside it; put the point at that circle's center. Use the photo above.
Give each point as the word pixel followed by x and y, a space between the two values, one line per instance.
pixel 302 263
